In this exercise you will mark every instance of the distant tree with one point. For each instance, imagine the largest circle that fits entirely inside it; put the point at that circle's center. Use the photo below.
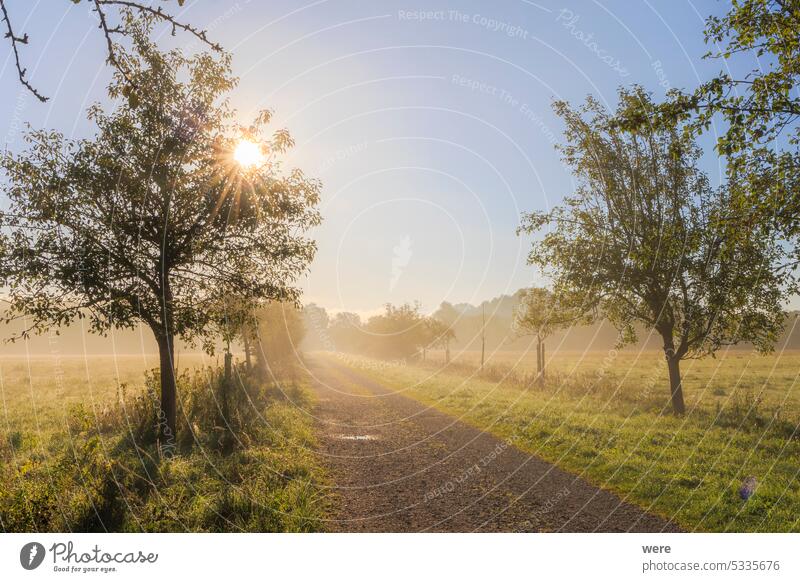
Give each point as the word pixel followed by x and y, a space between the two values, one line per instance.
pixel 541 313
pixel 279 332
pixel 448 316
pixel 446 313
pixel 645 238
pixel 345 332
pixel 110 14
pixel 235 317
pixel 317 324
pixel 437 334
pixel 399 332
pixel 152 220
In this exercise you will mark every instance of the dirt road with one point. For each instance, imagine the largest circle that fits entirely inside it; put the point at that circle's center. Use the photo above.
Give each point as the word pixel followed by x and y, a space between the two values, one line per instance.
pixel 400 466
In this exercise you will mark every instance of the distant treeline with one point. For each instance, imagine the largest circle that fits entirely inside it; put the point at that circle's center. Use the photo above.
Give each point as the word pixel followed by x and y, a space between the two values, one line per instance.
pixel 346 331
pixel 400 332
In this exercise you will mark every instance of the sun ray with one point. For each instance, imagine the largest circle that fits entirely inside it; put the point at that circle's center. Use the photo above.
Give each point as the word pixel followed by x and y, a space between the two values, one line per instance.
pixel 248 154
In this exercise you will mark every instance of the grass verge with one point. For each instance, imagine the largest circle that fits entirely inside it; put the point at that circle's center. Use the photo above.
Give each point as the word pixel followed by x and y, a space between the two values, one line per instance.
pixel 250 470
pixel 688 469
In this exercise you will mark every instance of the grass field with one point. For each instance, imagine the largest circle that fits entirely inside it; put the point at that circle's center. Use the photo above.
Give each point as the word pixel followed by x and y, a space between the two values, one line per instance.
pixel 72 460
pixel 37 393
pixel 767 383
pixel 607 419
pixel 78 451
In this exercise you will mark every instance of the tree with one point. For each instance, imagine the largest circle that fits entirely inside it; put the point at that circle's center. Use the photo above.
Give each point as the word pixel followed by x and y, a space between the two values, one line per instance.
pixel 279 332
pixel 345 332
pixel 110 28
pixel 152 221
pixel 760 110
pixel 236 320
pixel 645 238
pixel 397 333
pixel 449 316
pixel 437 334
pixel 446 313
pixel 316 322
pixel 542 313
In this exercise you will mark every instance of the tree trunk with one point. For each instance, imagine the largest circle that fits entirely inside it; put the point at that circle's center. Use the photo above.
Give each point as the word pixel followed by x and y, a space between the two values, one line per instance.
pixel 483 337
pixel 544 364
pixel 246 339
pixel 539 361
pixel 227 383
pixel 261 356
pixel 674 367
pixel 675 386
pixel 168 415
pixel 228 366
pixel 447 353
pixel 165 336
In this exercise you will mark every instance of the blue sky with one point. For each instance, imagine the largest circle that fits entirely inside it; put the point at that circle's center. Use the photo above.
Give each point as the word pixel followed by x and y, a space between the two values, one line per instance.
pixel 430 123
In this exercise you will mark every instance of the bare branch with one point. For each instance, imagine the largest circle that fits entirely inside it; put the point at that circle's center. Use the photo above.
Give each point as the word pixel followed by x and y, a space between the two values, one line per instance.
pixel 164 17
pixel 17 40
pixel 108 31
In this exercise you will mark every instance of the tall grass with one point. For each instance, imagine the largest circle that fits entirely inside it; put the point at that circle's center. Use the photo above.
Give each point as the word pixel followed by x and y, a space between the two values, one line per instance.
pixel 741 391
pixel 242 461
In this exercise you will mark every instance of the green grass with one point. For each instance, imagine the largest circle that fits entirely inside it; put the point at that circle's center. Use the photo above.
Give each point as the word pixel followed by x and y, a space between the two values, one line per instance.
pixel 772 380
pixel 81 455
pixel 37 393
pixel 615 430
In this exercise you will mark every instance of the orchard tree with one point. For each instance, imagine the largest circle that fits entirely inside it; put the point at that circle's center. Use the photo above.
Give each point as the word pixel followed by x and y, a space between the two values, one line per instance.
pixel 235 320
pixel 646 239
pixel 170 207
pixel 346 333
pixel 541 313
pixel 449 316
pixel 316 323
pixel 436 334
pixel 759 108
pixel 398 332
pixel 278 334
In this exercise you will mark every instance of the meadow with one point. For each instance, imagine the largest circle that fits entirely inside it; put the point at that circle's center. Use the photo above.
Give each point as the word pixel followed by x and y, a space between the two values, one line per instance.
pixel 79 450
pixel 606 417
pixel 735 378
pixel 38 392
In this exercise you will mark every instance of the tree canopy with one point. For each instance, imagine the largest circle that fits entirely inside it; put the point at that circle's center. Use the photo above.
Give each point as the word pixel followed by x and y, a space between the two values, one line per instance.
pixel 152 220
pixel 645 238
pixel 541 313
pixel 760 111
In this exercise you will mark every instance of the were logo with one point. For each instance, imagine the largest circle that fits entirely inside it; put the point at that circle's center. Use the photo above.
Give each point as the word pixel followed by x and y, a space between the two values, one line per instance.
pixel 31 555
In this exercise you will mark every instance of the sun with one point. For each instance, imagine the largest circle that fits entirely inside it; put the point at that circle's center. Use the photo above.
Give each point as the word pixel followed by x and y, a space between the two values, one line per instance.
pixel 247 153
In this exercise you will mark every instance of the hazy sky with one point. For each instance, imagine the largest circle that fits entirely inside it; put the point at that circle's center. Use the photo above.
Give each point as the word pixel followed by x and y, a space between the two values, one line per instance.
pixel 430 123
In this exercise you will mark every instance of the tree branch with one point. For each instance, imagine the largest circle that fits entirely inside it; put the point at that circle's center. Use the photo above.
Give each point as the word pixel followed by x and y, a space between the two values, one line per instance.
pixel 17 40
pixel 108 31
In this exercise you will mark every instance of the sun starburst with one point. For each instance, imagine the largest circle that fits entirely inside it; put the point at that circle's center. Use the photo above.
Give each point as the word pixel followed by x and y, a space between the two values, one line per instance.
pixel 248 154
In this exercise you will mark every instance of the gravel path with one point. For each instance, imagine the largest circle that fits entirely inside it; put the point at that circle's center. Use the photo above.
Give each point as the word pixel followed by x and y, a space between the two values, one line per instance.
pixel 400 466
